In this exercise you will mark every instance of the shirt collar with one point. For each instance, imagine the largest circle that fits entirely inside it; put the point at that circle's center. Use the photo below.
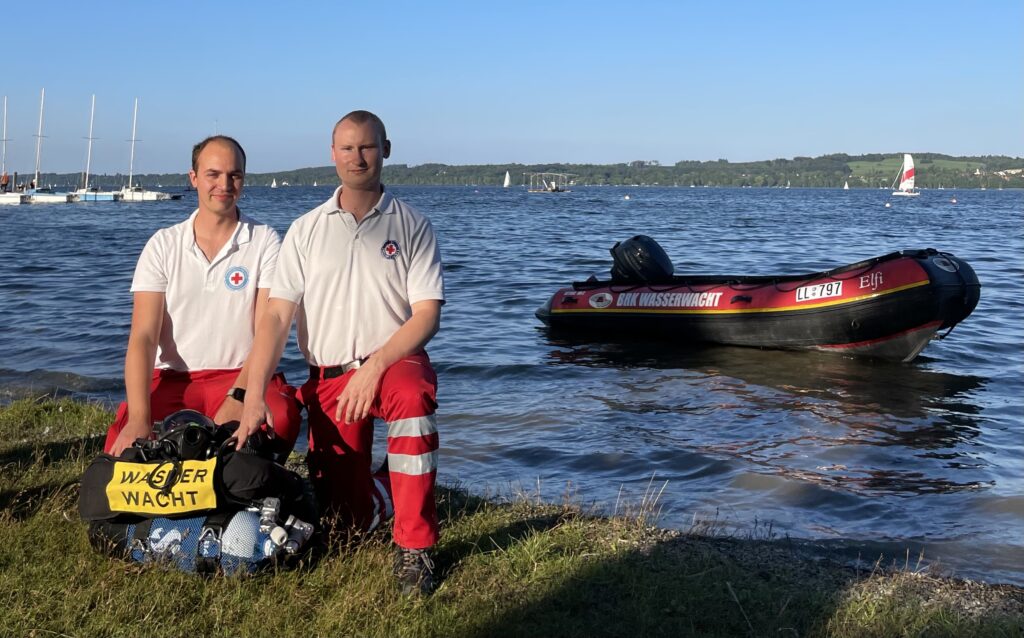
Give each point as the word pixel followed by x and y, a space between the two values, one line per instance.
pixel 384 205
pixel 242 235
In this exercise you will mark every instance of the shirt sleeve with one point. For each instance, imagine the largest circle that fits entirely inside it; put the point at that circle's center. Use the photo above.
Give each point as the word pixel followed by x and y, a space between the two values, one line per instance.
pixel 426 274
pixel 289 281
pixel 151 269
pixel 268 258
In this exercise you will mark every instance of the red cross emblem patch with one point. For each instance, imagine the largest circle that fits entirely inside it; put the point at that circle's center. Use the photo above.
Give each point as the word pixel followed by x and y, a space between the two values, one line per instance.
pixel 236 278
pixel 390 249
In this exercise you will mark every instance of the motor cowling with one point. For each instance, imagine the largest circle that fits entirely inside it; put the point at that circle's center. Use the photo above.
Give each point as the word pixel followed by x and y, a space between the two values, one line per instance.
pixel 640 259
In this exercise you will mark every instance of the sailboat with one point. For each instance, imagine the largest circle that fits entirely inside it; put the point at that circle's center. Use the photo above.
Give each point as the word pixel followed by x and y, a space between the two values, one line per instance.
pixel 905 177
pixel 84 194
pixel 135 193
pixel 273 183
pixel 508 179
pixel 846 186
pixel 8 198
pixel 37 195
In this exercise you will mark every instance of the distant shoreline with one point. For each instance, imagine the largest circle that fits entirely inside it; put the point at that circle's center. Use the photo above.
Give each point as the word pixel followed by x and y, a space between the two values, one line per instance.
pixel 934 171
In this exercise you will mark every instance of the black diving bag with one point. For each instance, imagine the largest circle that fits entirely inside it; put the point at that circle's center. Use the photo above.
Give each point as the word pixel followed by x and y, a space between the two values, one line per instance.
pixel 190 500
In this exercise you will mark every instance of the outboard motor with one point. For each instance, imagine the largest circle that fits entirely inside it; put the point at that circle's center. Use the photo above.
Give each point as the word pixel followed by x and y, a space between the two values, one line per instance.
pixel 640 259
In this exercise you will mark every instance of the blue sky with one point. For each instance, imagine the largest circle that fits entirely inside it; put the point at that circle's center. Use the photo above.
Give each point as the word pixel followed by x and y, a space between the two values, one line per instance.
pixel 527 82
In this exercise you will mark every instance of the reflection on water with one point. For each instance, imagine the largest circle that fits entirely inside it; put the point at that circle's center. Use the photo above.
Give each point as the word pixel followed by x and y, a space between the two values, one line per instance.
pixel 846 421
pixel 858 386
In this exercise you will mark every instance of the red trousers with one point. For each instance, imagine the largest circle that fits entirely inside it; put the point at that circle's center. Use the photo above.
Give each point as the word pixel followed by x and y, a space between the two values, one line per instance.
pixel 204 391
pixel 340 454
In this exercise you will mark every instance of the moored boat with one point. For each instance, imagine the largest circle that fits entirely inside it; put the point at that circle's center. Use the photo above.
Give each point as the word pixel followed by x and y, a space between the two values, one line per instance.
pixel 13 198
pixel 887 307
pixel 134 192
pixel 95 195
pixel 36 194
pixel 47 196
pixel 85 193
pixel 140 194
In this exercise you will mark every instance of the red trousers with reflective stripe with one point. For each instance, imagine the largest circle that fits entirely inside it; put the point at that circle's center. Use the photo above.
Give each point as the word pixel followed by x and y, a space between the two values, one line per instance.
pixel 340 454
pixel 204 391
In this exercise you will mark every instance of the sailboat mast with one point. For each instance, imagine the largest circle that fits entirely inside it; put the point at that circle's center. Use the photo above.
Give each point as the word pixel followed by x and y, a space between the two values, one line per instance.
pixel 131 161
pixel 88 153
pixel 3 157
pixel 39 135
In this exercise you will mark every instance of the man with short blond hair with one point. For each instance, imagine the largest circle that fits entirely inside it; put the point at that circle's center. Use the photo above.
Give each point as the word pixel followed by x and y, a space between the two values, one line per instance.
pixel 362 275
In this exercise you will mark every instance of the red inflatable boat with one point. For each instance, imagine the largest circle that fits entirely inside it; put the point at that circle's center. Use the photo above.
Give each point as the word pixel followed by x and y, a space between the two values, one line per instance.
pixel 888 307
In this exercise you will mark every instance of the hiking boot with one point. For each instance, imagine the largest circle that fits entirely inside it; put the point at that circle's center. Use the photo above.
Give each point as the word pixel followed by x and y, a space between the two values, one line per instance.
pixel 415 571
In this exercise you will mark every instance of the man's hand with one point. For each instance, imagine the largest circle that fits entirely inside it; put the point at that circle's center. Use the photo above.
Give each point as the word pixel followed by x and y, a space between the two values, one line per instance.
pixel 126 438
pixel 356 400
pixel 254 415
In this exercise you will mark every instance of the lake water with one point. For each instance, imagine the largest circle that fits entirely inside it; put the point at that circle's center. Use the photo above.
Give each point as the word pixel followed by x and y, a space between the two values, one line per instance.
pixel 865 458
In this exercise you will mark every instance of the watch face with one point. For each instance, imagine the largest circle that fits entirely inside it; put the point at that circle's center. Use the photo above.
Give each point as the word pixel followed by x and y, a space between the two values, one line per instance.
pixel 238 394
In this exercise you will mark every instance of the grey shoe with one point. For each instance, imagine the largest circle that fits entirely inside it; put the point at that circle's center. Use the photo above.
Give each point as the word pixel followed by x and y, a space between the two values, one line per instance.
pixel 415 571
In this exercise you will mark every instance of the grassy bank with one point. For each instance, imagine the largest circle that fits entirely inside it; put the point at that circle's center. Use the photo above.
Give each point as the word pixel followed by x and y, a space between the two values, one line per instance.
pixel 507 569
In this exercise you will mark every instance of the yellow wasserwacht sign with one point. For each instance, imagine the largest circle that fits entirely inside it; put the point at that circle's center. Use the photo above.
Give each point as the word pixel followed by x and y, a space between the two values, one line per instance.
pixel 137 487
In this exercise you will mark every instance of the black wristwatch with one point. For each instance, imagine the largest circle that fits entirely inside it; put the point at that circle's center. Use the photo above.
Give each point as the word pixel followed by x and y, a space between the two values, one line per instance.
pixel 238 394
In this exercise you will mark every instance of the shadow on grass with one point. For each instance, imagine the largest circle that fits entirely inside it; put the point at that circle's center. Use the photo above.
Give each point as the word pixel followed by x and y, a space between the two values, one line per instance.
pixel 24 455
pixel 25 503
pixel 710 586
pixel 455 505
pixel 21 503
pixel 680 587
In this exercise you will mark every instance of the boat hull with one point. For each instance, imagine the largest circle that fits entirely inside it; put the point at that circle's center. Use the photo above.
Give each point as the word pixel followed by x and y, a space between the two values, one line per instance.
pixel 138 195
pixel 49 198
pixel 888 307
pixel 13 198
pixel 97 196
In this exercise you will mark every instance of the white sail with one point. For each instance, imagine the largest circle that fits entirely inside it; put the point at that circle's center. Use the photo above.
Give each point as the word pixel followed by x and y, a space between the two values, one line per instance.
pixel 273 183
pixel 508 179
pixel 906 178
pixel 846 186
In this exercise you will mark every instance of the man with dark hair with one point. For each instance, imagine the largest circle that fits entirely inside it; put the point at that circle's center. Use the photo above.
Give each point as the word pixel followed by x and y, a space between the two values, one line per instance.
pixel 362 274
pixel 224 139
pixel 199 289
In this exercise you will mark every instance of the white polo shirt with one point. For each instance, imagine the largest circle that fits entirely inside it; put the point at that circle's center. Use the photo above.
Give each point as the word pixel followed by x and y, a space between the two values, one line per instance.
pixel 355 283
pixel 209 306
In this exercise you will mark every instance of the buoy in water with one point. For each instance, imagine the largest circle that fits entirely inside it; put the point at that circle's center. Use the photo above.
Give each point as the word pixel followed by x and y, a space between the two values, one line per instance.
pixel 626 197
pixel 952 201
pixel 888 205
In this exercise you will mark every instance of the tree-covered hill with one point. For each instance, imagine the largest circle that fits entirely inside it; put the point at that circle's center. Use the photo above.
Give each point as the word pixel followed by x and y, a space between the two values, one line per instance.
pixel 828 171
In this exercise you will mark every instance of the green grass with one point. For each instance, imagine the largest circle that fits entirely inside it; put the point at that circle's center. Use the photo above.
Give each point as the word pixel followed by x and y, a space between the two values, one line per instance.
pixel 507 568
pixel 954 165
